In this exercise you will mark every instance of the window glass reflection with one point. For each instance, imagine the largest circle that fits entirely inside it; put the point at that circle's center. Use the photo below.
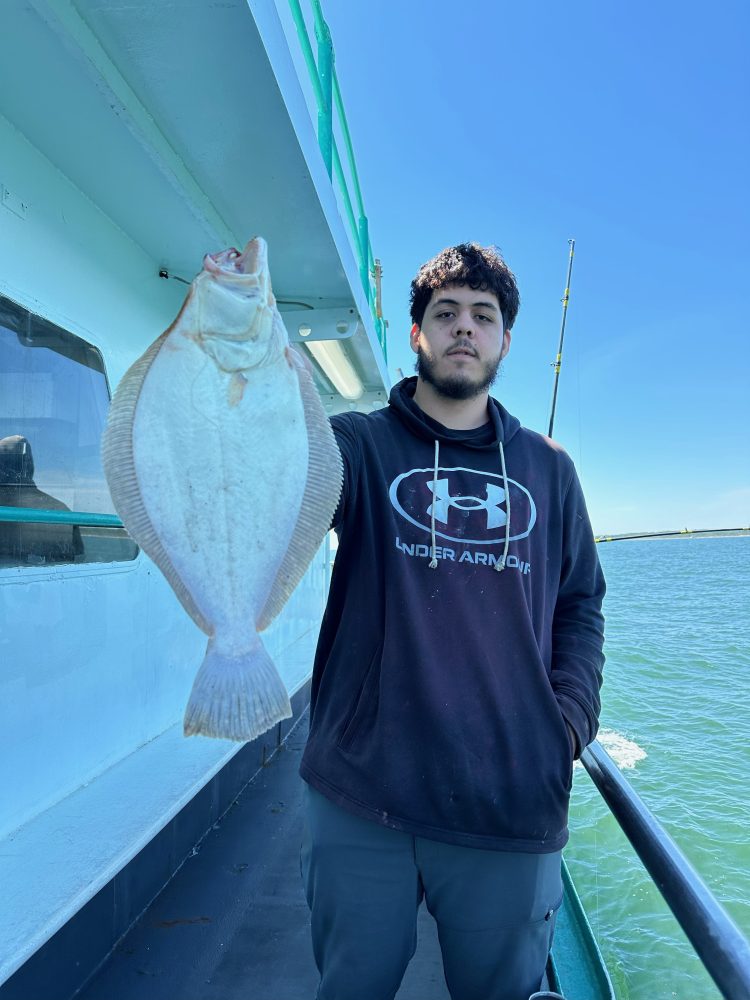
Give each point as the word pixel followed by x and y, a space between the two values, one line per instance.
pixel 53 404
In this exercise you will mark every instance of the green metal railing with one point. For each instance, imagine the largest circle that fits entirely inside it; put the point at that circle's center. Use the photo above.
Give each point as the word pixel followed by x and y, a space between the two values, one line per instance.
pixel 84 519
pixel 328 96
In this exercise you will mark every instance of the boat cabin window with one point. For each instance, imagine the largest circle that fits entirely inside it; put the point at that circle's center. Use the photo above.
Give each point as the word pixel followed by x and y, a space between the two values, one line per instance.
pixel 54 399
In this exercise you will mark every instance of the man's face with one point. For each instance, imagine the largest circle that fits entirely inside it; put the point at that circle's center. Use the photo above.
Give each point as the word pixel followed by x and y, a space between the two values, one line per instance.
pixel 461 341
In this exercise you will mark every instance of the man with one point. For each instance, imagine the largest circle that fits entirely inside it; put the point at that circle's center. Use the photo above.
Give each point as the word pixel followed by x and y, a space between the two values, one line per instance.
pixel 31 542
pixel 458 667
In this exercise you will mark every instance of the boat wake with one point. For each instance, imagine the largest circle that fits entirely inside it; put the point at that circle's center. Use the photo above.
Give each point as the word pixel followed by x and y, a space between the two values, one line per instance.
pixel 624 752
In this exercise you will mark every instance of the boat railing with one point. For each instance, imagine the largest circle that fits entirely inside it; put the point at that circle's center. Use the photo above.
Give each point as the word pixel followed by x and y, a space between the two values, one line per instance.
pixel 82 519
pixel 328 98
pixel 717 940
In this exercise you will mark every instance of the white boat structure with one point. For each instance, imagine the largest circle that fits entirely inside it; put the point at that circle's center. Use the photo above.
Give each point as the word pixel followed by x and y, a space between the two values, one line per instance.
pixel 135 138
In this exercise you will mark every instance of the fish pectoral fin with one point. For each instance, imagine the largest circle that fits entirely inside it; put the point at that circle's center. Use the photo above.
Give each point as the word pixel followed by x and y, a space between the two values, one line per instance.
pixel 237 386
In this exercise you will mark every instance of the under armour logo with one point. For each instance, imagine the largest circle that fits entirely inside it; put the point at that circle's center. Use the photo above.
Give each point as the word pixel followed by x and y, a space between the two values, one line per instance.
pixel 496 516
pixel 418 495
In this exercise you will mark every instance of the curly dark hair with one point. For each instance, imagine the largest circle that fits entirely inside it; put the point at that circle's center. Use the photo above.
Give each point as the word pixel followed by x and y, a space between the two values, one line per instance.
pixel 469 264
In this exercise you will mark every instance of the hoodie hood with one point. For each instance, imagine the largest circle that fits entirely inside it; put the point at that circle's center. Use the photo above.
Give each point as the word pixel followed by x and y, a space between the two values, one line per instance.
pixel 501 428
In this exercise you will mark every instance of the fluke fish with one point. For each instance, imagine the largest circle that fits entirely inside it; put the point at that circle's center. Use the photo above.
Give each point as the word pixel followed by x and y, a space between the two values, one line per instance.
pixel 223 467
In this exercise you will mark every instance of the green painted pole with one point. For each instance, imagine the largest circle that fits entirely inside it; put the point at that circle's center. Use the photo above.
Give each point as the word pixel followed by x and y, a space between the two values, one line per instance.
pixel 304 41
pixel 339 103
pixel 28 515
pixel 328 95
pixel 325 71
pixel 364 256
pixel 346 197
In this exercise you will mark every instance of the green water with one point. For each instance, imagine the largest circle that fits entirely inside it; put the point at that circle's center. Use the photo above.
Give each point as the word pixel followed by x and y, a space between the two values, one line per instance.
pixel 676 687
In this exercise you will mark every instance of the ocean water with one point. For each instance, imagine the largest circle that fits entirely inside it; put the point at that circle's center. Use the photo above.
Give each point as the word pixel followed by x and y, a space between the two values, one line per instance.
pixel 675 717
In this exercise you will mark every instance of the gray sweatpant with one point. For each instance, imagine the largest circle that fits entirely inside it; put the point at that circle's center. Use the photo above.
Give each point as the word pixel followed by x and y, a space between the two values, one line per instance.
pixel 495 910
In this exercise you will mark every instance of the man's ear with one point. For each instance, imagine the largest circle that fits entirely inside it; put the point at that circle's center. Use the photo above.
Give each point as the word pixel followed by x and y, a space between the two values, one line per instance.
pixel 506 344
pixel 414 338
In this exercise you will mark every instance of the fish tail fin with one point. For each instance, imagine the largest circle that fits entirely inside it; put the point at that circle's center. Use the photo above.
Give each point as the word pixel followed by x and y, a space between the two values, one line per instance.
pixel 236 697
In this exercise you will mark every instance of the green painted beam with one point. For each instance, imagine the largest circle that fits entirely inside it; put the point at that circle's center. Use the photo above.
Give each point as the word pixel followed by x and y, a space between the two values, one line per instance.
pixel 28 515
pixel 325 75
pixel 307 51
pixel 577 963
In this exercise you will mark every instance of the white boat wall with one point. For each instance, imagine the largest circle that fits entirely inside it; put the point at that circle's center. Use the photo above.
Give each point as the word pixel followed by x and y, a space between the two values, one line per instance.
pixel 135 138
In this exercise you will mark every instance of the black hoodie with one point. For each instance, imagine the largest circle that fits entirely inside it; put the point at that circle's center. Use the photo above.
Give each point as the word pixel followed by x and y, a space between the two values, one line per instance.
pixel 440 695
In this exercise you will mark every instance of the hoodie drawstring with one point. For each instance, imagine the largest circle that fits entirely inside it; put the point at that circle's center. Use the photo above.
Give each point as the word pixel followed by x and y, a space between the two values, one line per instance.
pixel 500 566
pixel 433 548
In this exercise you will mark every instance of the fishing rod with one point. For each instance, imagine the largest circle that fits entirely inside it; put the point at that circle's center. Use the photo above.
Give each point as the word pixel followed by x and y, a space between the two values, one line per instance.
pixel 557 364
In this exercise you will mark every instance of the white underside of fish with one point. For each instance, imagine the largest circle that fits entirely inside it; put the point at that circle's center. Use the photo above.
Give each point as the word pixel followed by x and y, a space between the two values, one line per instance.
pixel 228 479
pixel 220 486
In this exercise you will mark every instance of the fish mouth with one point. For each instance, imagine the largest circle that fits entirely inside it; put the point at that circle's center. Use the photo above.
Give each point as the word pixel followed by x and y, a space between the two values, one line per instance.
pixel 244 283
pixel 252 262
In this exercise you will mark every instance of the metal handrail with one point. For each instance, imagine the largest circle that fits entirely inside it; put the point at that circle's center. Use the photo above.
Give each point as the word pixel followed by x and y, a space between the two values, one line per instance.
pixel 346 197
pixel 347 141
pixel 84 519
pixel 327 95
pixel 718 941
pixel 672 534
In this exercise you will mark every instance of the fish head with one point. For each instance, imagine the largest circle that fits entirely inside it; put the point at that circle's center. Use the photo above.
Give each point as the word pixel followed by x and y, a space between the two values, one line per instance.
pixel 232 310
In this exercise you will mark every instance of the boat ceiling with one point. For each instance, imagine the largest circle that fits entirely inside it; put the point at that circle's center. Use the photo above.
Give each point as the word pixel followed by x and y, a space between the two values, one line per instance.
pixel 170 118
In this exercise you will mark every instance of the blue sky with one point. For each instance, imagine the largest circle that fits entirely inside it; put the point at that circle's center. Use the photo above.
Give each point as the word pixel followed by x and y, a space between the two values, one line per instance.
pixel 626 128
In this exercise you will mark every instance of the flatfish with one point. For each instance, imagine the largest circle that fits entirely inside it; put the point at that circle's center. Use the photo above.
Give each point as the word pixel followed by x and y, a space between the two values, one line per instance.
pixel 223 467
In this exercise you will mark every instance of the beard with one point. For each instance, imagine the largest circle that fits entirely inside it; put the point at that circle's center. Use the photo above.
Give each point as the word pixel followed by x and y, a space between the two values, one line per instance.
pixel 458 385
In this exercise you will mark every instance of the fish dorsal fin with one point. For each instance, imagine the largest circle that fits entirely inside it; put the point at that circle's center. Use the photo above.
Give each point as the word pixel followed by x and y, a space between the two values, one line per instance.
pixel 119 468
pixel 325 476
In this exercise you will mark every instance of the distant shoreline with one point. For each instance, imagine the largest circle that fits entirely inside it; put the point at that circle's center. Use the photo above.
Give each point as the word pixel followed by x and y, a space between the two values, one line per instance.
pixel 685 533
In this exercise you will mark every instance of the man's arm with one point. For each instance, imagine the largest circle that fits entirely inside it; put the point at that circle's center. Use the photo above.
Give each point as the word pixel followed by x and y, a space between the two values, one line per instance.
pixel 346 439
pixel 578 624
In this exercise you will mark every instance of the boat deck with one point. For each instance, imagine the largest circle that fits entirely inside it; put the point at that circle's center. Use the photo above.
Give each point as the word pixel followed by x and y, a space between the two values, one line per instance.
pixel 233 922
